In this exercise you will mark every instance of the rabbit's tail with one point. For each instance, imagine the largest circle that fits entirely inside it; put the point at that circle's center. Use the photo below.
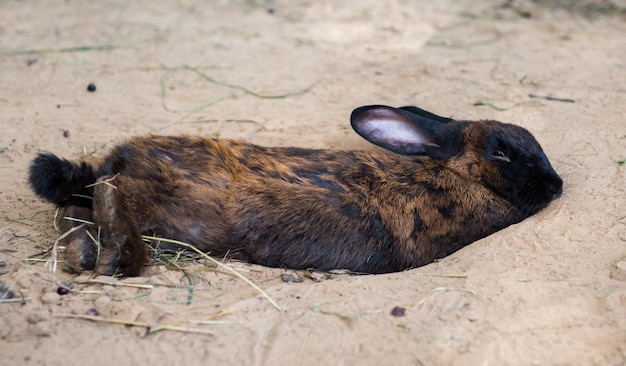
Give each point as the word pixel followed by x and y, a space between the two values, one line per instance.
pixel 60 181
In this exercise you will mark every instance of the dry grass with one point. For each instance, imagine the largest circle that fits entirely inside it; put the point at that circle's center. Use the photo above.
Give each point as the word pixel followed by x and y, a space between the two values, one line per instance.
pixel 236 91
pixel 151 329
pixel 172 260
pixel 217 263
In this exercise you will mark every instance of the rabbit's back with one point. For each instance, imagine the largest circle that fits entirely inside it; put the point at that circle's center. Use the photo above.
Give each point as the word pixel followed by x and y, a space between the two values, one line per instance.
pixel 371 211
pixel 376 224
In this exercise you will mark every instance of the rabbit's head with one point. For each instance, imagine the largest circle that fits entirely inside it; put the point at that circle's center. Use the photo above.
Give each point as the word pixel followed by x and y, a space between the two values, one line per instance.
pixel 504 158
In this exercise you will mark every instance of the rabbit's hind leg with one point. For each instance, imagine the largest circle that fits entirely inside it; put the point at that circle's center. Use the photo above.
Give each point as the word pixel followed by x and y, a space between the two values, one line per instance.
pixel 122 250
pixel 79 236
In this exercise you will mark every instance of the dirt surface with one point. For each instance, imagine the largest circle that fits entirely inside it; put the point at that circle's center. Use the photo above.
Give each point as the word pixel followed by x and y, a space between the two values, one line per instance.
pixel 548 291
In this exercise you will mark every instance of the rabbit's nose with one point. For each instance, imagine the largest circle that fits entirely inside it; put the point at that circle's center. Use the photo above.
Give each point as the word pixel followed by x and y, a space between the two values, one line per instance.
pixel 556 188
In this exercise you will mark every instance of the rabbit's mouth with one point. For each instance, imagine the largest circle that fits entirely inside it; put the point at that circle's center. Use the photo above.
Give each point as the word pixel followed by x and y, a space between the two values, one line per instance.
pixel 529 209
pixel 552 188
pixel 536 199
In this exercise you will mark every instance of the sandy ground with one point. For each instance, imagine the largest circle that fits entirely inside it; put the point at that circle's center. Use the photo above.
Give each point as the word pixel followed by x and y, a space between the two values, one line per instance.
pixel 548 291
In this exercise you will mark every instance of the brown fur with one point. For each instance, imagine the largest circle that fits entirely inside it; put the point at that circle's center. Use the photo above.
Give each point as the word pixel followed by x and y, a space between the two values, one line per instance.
pixel 368 211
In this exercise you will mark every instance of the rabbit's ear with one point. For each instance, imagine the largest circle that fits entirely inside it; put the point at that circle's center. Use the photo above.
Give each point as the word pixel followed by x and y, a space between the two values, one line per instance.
pixel 407 133
pixel 426 114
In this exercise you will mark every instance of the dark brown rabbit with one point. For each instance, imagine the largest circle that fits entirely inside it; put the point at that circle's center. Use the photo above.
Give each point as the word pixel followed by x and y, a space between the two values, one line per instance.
pixel 366 211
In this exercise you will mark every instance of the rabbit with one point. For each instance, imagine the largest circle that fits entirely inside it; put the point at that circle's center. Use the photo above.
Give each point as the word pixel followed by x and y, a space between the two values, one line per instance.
pixel 436 185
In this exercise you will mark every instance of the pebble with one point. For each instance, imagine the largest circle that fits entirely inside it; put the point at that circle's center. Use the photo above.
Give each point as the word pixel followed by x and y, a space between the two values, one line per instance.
pixel 398 311
pixel 91 87
pixel 50 298
pixel 618 271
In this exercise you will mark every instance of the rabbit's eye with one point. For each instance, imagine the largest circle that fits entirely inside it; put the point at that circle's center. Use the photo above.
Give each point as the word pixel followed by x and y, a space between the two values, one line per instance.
pixel 498 154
